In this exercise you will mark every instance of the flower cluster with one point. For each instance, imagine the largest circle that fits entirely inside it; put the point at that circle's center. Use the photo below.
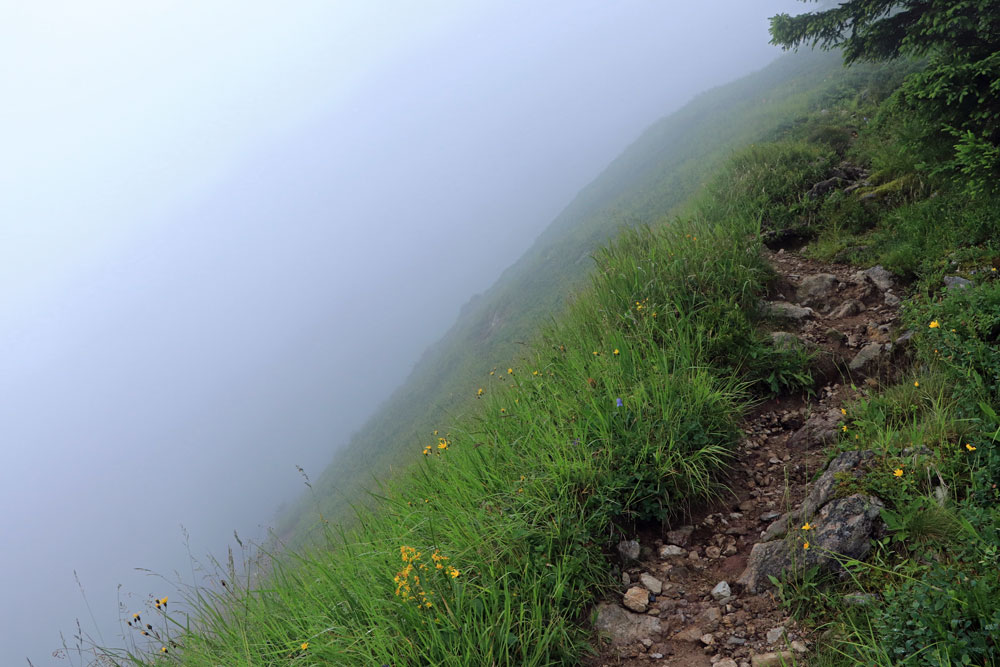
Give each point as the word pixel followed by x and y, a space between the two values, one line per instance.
pixel 442 445
pixel 409 585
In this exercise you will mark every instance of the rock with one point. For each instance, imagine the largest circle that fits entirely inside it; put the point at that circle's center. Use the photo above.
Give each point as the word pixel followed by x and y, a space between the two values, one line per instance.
pixel 636 599
pixel 713 552
pixel 646 642
pixel 843 526
pixel 726 662
pixel 721 591
pixel 859 599
pixel 799 647
pixel 774 659
pixel 790 311
pixel 670 550
pixel 847 309
pixel 656 656
pixel 774 634
pixel 704 623
pixel 871 359
pixel 821 491
pixel 824 187
pixel 680 536
pixel 782 340
pixel 623 627
pixel 955 282
pixel 769 516
pixel 880 277
pixel 626 580
pixel 629 550
pixel 652 584
pixel 736 641
pixel 707 639
pixel 820 429
pixel 891 299
pixel 816 290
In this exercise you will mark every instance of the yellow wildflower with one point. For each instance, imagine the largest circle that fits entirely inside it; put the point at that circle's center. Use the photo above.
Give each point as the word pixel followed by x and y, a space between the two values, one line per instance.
pixel 453 572
pixel 480 392
pixel 934 324
pixel 616 351
pixel 916 383
pixel 805 546
pixel 971 448
pixel 898 472
pixel 510 371
pixel 844 427
pixel 304 646
pixel 843 412
pixel 807 526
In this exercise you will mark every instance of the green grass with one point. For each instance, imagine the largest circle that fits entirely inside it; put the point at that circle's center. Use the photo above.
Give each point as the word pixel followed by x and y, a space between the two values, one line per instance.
pixel 622 407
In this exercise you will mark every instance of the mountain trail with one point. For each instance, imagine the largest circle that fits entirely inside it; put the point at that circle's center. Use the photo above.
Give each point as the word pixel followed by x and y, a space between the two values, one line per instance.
pixel 694 595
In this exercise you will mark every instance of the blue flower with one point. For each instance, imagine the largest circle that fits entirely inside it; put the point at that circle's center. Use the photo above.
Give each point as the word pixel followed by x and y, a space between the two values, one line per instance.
pixel 619 402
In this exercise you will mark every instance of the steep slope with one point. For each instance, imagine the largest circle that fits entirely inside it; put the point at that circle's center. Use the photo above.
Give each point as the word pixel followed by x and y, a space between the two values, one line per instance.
pixel 650 180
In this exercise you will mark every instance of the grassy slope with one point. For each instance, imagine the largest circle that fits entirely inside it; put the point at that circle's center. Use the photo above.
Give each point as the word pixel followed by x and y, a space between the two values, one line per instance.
pixel 653 177
pixel 624 407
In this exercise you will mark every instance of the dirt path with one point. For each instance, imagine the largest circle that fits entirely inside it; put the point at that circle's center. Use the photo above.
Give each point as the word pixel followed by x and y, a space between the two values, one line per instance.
pixel 689 621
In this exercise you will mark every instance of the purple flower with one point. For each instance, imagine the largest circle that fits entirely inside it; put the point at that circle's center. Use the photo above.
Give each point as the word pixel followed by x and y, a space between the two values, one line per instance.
pixel 619 402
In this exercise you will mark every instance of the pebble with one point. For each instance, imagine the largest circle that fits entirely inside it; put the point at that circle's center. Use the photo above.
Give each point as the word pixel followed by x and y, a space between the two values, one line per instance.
pixel 721 591
pixel 651 583
pixel 774 634
pixel 671 550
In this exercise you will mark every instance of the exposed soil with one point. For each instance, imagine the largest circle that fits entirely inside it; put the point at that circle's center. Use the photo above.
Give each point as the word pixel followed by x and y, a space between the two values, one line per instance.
pixel 770 476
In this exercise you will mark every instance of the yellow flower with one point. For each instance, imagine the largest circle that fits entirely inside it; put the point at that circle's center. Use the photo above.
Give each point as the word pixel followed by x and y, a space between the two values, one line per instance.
pixel 510 371
pixel 843 412
pixel 805 546
pixel 916 383
pixel 427 450
pixel 163 649
pixel 480 392
pixel 844 427
pixel 304 646
pixel 534 372
pixel 898 472
pixel 971 448
pixel 596 353
pixel 443 445
pixel 616 351
pixel 453 572
pixel 493 372
pixel 807 526
pixel 934 324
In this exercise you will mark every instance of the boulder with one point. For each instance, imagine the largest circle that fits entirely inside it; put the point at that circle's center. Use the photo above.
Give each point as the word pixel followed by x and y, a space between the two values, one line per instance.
pixel 820 429
pixel 821 492
pixel 882 278
pixel 871 359
pixel 955 282
pixel 788 311
pixel 629 550
pixel 817 290
pixel 844 526
pixel 624 627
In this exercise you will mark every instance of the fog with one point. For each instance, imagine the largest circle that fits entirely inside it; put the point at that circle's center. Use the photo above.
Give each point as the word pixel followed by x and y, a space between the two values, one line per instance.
pixel 229 229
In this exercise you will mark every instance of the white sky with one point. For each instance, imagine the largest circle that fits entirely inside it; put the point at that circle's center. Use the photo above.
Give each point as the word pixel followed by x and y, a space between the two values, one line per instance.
pixel 229 229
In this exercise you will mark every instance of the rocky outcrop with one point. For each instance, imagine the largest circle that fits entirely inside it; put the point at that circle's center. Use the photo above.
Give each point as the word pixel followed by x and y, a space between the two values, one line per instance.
pixel 842 529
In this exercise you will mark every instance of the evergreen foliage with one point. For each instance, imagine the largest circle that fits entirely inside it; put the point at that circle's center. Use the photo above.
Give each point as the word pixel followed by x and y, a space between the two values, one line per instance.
pixel 957 93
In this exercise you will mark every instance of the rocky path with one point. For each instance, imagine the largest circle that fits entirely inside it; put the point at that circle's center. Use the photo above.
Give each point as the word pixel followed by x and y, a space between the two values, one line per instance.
pixel 698 594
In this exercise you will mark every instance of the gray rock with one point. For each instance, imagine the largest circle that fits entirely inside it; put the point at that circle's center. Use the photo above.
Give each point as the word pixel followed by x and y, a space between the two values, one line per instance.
pixel 891 299
pixel 880 277
pixel 626 580
pixel 790 311
pixel 847 309
pixel 819 429
pixel 736 641
pixel 656 656
pixel 713 552
pixel 799 647
pixel 824 187
pixel 707 639
pixel 871 359
pixel 769 516
pixel 705 622
pixel 843 526
pixel 775 634
pixel 820 493
pixel 623 627
pixel 629 550
pixel 726 662
pixel 670 550
pixel 956 282
pixel 652 584
pixel 721 591
pixel 817 290
pixel 636 599
pixel 680 536
pixel 773 659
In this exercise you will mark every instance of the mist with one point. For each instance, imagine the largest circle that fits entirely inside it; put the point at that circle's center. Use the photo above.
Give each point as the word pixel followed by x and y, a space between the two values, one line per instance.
pixel 229 232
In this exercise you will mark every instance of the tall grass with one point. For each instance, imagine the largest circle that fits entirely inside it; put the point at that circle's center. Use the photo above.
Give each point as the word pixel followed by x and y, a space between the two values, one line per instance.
pixel 492 550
